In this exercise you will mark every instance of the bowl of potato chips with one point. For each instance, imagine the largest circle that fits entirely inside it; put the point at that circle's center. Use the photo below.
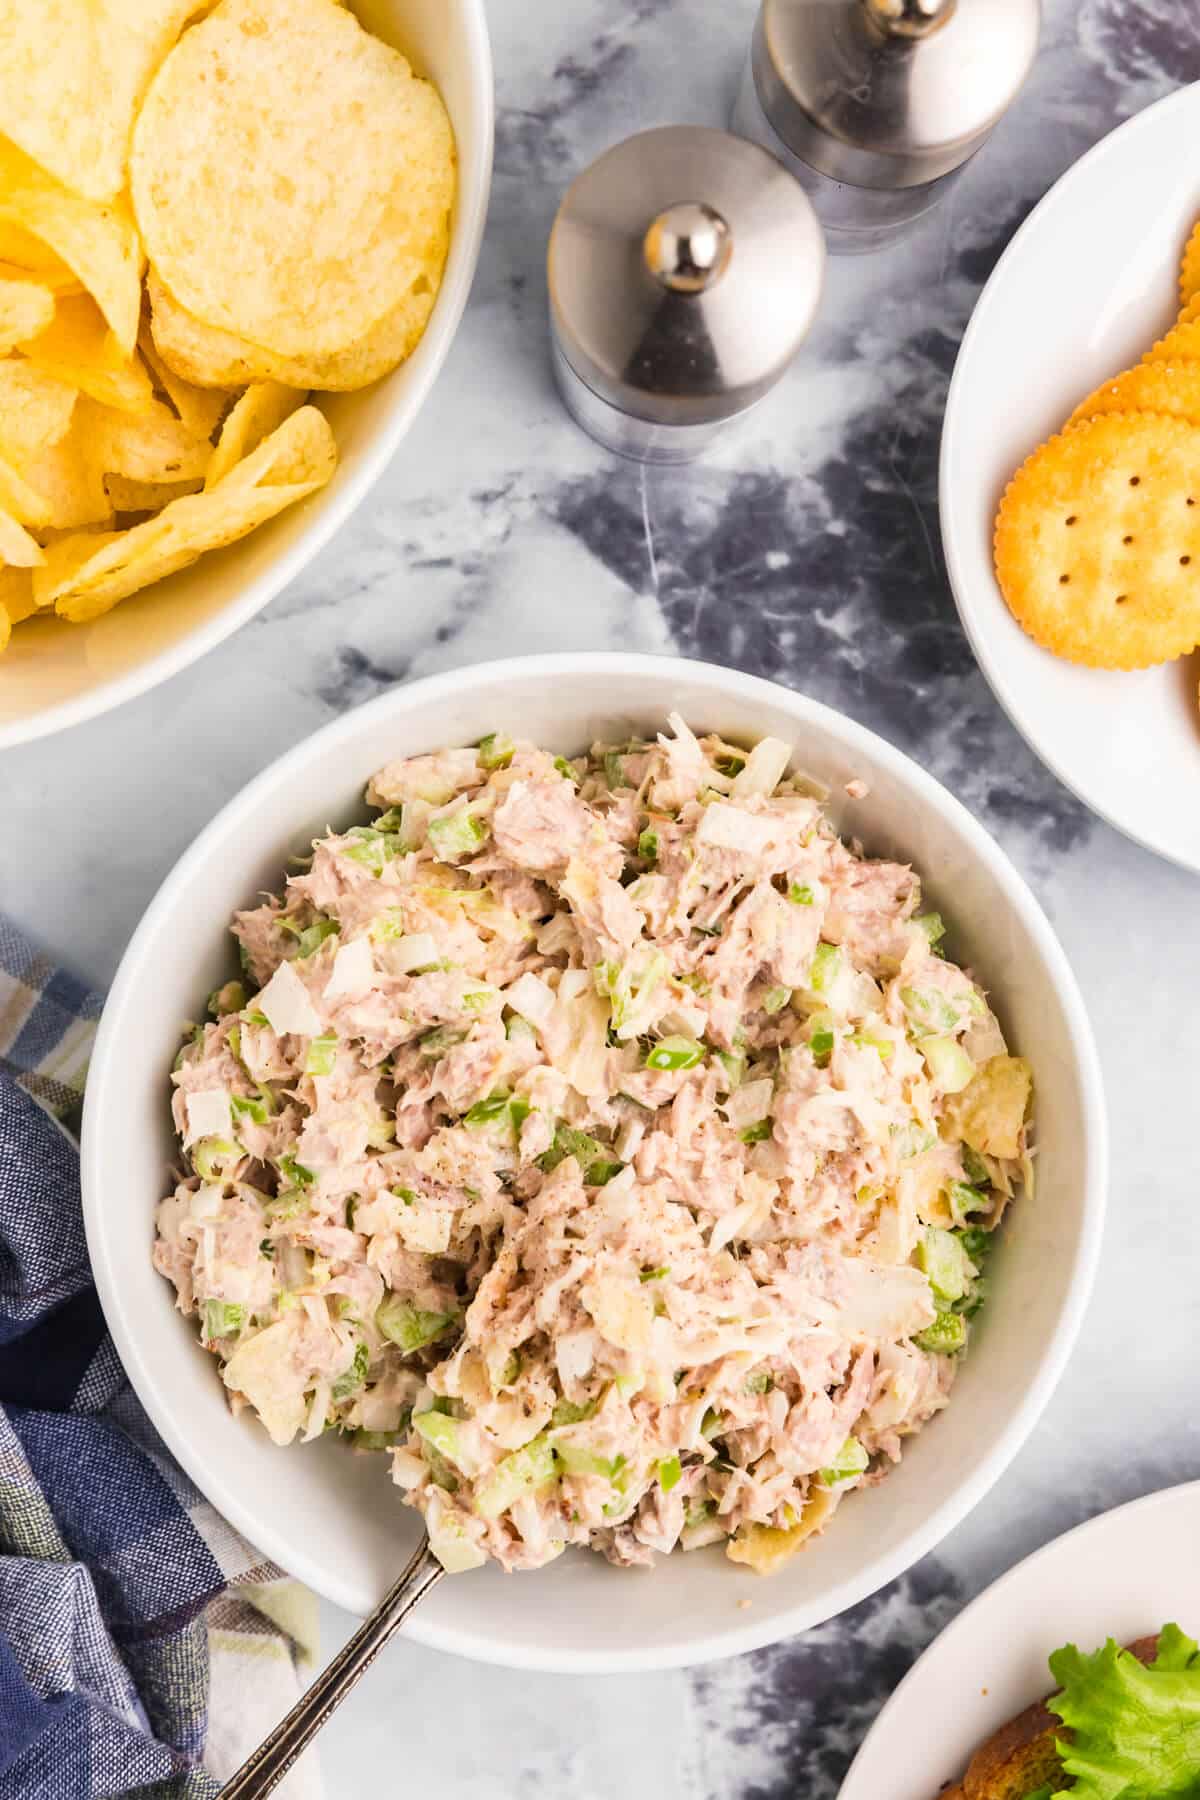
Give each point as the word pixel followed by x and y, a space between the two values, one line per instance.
pixel 236 240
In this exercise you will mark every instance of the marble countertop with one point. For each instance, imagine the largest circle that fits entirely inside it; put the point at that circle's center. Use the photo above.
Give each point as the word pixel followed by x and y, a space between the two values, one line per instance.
pixel 806 549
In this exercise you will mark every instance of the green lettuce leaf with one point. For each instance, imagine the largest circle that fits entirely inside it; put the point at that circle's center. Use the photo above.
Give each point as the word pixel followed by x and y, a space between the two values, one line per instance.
pixel 1136 1727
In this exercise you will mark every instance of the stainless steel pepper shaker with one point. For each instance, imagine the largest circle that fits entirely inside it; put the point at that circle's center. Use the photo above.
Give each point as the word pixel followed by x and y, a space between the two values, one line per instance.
pixel 876 105
pixel 684 267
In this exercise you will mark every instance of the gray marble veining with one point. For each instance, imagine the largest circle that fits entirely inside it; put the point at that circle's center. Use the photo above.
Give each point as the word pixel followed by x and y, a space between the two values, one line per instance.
pixel 806 549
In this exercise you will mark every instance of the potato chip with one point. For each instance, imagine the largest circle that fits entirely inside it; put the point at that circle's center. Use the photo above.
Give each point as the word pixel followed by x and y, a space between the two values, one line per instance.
pixel 84 582
pixel 72 75
pixel 20 249
pixel 989 1112
pixel 16 546
pixel 262 408
pixel 35 409
pixel 17 497
pixel 219 359
pixel 1189 267
pixel 26 307
pixel 79 349
pixel 150 446
pixel 173 539
pixel 98 242
pixel 1098 541
pixel 290 175
pixel 125 496
pixel 69 482
pixel 200 409
pixel 16 594
pixel 1148 387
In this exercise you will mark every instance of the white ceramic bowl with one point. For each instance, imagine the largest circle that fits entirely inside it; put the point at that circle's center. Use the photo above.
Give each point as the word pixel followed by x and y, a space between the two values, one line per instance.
pixel 54 674
pixel 1088 283
pixel 332 1518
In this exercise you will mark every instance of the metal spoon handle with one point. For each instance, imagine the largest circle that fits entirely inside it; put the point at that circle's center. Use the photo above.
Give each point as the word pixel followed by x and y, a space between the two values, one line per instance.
pixel 260 1774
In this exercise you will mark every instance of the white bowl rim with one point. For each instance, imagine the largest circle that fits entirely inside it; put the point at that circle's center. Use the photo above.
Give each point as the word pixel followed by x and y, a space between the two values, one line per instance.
pixel 474 180
pixel 977 636
pixel 962 1624
pixel 748 1633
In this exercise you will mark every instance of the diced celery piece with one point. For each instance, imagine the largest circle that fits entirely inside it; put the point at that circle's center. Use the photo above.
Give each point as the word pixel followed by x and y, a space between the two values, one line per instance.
pixel 564 768
pixel 351 1379
pixel 495 751
pixel 443 1432
pixel 313 936
pixel 821 1038
pixel 932 926
pixel 825 968
pixel 800 893
pixel 479 999
pixel 977 1171
pixel 594 1159
pixel 948 1063
pixel 408 1327
pixel 373 1440
pixel 776 998
pixel 485 1111
pixel 941 1255
pixel 257 1111
pixel 227 999
pixel 523 1472
pixel 659 1274
pixel 734 1064
pixel 758 1381
pixel 222 1318
pixel 670 1473
pixel 851 1460
pixel 711 1424
pixel 675 1053
pixel 756 1133
pixel 322 1054
pixel 614 769
pixel 453 1548
pixel 517 1027
pixel 212 1155
pixel 947 1334
pixel 457 834
pixel 866 1039
pixel 443 1038
pixel 295 1172
pixel 648 845
pixel 929 1012
pixel 572 1412
pixel 576 1459
pixel 371 847
pixel 913 1139
pixel 965 1199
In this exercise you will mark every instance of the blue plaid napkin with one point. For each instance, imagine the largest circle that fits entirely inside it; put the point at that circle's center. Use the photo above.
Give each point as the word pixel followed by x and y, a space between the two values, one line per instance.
pixel 143 1645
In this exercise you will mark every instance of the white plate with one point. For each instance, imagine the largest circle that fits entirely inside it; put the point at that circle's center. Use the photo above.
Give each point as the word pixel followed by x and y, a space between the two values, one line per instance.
pixel 54 674
pixel 1123 1575
pixel 333 1519
pixel 1086 286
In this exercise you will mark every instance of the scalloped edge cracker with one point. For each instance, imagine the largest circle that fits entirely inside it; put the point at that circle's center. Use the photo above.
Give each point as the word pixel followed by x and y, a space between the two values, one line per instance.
pixel 1157 387
pixel 1189 266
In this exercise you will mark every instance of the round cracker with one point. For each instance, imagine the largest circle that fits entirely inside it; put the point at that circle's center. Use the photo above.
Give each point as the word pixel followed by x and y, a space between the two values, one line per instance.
pixel 1182 342
pixel 1158 387
pixel 1189 267
pixel 1097 541
pixel 291 177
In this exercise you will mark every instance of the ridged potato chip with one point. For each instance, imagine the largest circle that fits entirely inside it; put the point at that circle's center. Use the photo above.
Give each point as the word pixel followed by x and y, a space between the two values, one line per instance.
pixel 291 177
pixel 22 251
pixel 78 348
pixel 26 307
pixel 84 577
pixel 149 446
pixel 1189 267
pixel 70 484
pixel 98 242
pixel 215 358
pixel 72 75
pixel 17 547
pixel 1172 387
pixel 1098 541
pixel 35 409
pixel 260 411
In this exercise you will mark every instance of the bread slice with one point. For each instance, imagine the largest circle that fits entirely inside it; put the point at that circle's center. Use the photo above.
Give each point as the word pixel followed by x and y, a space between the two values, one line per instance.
pixel 1021 1757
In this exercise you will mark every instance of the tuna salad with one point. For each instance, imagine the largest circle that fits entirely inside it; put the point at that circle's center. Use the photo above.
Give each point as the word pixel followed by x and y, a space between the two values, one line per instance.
pixel 602 1140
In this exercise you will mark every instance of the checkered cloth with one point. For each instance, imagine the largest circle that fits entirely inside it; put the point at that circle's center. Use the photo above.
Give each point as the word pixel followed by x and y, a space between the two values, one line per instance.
pixel 144 1647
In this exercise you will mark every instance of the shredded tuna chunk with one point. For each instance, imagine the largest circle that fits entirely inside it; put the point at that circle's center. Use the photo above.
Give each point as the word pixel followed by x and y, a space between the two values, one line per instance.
pixel 604 1139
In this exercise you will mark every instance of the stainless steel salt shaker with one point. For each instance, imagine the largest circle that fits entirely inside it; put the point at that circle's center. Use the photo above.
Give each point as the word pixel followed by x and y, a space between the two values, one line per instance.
pixel 684 267
pixel 876 105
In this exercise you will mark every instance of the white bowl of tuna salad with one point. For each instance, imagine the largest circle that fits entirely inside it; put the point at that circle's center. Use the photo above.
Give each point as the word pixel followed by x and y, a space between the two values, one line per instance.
pixel 638 1112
